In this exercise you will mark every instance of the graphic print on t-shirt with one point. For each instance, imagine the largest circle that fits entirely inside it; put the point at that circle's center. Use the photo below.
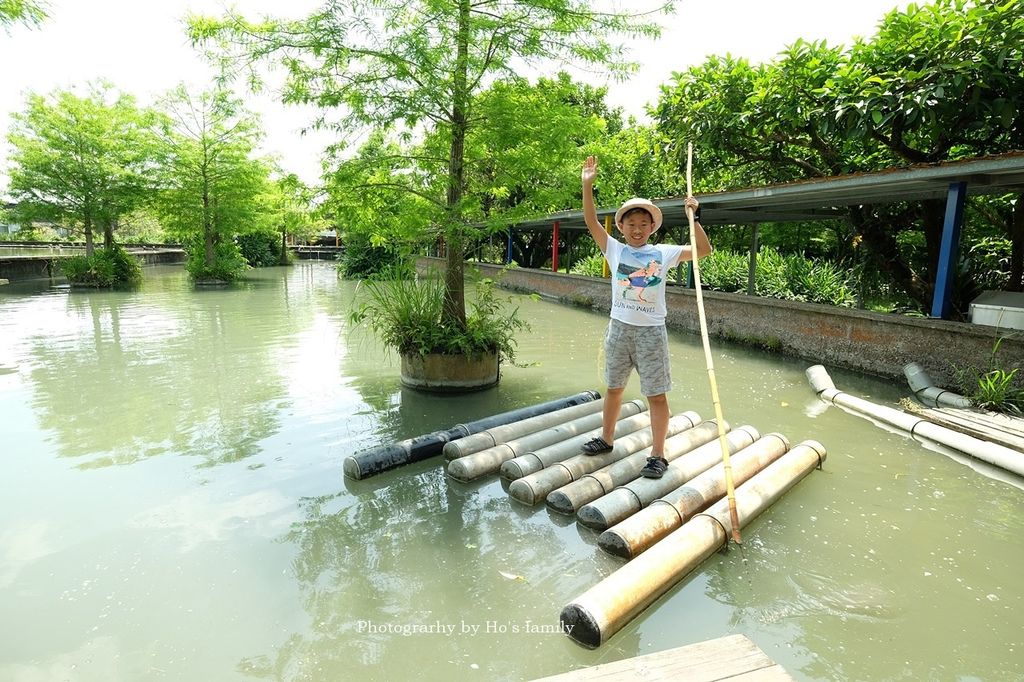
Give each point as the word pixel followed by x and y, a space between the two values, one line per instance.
pixel 638 271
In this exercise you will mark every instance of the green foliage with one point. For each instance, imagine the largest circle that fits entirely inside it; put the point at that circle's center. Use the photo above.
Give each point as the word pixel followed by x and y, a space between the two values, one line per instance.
pixel 994 387
pixel 227 264
pixel 361 259
pixel 141 226
pixel 591 266
pixel 212 187
pixel 113 267
pixel 423 63
pixel 405 312
pixel 940 81
pixel 28 12
pixel 80 161
pixel 787 277
pixel 260 249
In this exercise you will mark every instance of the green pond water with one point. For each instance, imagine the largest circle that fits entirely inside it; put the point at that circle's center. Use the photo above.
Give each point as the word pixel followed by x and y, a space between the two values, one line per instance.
pixel 173 508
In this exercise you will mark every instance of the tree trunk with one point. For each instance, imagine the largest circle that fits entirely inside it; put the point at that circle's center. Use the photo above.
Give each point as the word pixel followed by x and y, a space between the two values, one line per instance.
pixel 881 245
pixel 934 217
pixel 89 246
pixel 108 234
pixel 208 253
pixel 283 260
pixel 1016 282
pixel 454 310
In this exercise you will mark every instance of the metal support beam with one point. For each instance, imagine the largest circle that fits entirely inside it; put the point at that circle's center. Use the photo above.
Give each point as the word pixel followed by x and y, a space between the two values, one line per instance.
pixel 950 246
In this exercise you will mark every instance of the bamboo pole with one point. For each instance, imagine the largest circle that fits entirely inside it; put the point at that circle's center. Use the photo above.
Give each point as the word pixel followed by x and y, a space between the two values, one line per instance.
pixel 723 443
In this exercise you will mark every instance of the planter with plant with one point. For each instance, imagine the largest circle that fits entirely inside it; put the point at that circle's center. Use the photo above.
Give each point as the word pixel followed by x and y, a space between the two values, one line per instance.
pixel 406 313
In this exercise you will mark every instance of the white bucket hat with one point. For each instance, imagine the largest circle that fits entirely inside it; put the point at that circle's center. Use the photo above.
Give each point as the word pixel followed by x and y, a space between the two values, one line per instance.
pixel 637 202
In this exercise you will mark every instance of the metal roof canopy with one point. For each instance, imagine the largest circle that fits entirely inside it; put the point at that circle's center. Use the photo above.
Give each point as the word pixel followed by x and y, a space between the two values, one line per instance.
pixel 824 199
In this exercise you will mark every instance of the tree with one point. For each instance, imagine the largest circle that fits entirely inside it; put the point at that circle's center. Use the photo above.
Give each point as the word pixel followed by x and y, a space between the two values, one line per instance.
pixel 938 82
pixel 941 82
pixel 288 201
pixel 80 161
pixel 211 184
pixel 400 64
pixel 27 12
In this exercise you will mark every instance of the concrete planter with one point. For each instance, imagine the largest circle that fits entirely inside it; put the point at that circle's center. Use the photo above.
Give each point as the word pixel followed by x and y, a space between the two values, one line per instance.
pixel 450 373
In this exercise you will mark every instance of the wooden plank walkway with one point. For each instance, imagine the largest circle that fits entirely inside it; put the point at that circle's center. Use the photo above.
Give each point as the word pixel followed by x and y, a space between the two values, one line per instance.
pixel 733 658
pixel 1003 429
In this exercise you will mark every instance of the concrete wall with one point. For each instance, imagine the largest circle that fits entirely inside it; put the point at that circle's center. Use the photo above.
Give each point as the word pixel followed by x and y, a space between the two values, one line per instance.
pixel 20 268
pixel 873 343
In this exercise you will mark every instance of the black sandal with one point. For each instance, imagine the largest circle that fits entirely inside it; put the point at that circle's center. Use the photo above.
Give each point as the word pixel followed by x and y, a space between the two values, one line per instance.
pixel 596 446
pixel 655 467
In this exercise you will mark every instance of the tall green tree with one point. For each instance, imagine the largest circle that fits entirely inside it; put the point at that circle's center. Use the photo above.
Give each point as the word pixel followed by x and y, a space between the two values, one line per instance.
pixel 290 211
pixel 80 161
pixel 400 64
pixel 918 91
pixel 211 183
pixel 940 82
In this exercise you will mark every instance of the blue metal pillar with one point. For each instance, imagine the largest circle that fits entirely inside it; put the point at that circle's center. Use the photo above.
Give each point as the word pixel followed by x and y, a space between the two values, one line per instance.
pixel 950 247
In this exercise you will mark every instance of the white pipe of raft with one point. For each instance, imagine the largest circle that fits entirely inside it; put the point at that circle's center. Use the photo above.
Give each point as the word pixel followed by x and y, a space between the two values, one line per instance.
pixel 589 487
pixel 593 617
pixel 535 487
pixel 639 532
pixel 929 394
pixel 488 461
pixel 630 498
pixel 993 453
pixel 506 432
pixel 530 462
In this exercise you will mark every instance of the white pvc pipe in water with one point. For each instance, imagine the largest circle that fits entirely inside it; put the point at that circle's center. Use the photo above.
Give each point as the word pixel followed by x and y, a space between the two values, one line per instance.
pixel 993 453
pixel 928 393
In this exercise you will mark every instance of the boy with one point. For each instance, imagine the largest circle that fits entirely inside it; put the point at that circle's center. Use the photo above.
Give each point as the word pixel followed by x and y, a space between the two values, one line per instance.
pixel 636 335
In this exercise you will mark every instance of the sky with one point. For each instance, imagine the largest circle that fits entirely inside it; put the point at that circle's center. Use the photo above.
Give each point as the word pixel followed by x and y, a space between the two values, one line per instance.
pixel 140 46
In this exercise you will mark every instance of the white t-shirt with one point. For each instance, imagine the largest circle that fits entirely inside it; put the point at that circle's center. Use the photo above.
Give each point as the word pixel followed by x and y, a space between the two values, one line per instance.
pixel 638 281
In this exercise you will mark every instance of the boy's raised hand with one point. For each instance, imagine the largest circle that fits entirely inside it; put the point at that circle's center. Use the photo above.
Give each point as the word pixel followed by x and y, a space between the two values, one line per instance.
pixel 589 173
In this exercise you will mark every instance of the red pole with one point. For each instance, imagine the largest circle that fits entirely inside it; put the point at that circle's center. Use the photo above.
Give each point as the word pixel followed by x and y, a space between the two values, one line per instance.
pixel 554 248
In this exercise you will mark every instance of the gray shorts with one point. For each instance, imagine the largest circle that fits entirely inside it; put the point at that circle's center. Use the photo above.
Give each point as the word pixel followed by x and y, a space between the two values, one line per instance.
pixel 627 346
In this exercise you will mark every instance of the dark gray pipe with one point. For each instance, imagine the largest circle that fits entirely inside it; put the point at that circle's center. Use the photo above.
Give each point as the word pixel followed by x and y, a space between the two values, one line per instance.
pixel 386 457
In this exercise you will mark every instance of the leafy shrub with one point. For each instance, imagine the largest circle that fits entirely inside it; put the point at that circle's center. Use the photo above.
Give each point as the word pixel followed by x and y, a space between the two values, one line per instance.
pixel 790 277
pixel 228 262
pixel 993 387
pixel 113 267
pixel 591 266
pixel 361 259
pixel 724 271
pixel 260 249
pixel 405 313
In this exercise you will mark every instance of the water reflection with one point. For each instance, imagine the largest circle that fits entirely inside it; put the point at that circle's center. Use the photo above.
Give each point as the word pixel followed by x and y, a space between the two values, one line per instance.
pixel 411 568
pixel 122 379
